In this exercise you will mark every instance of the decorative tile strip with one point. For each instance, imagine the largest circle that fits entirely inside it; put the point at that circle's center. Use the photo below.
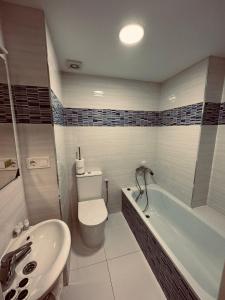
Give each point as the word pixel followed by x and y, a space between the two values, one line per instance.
pixel 109 117
pixel 211 113
pixel 222 114
pixel 32 104
pixel 174 286
pixel 185 115
pixel 57 110
pixel 5 109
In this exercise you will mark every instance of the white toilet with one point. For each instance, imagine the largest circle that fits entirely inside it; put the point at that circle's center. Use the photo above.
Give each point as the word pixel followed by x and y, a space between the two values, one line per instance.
pixel 92 212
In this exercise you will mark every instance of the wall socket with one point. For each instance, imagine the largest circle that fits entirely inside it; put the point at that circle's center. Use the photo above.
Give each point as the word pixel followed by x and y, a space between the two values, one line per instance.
pixel 40 162
pixel 8 163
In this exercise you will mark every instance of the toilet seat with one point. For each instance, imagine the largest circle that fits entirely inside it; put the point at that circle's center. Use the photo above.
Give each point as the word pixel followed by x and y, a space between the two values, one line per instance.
pixel 92 212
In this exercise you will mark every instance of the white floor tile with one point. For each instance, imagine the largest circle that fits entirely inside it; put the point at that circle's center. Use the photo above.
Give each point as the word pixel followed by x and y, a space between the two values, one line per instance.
pixel 90 283
pixel 116 219
pixel 82 256
pixel 132 279
pixel 119 239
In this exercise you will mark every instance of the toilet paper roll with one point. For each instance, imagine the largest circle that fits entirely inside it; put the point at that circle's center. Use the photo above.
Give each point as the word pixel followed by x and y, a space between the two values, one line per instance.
pixel 80 166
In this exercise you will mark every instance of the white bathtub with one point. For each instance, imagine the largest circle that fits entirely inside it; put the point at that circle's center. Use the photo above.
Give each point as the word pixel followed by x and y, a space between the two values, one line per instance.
pixel 195 247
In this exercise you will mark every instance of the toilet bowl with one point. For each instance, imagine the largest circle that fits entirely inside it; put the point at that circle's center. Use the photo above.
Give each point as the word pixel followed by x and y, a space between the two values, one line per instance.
pixel 92 211
pixel 92 215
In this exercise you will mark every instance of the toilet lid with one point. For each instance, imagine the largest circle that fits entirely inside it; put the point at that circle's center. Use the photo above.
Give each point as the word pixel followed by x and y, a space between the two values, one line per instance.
pixel 92 212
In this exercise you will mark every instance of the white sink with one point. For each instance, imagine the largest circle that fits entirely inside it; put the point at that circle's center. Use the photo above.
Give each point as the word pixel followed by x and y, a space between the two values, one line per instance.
pixel 50 248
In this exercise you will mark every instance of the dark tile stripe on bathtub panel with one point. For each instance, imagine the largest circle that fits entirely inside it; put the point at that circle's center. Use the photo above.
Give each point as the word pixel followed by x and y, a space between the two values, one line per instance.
pixel 169 278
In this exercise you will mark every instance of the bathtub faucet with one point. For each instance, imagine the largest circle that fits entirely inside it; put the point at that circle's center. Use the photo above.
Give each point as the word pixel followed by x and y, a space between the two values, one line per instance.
pixel 143 169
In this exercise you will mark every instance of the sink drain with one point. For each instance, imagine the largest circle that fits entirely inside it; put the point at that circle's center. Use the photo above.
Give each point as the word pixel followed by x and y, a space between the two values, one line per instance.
pixel 30 267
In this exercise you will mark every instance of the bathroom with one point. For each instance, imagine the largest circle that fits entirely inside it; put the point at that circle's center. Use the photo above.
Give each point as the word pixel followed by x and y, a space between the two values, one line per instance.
pixel 112 150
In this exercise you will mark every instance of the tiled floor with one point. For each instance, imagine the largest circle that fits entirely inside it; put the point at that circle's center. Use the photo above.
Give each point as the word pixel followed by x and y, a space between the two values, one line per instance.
pixel 116 271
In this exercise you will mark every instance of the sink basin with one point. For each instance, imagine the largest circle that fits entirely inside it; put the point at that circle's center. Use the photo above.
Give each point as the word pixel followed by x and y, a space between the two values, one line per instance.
pixel 50 248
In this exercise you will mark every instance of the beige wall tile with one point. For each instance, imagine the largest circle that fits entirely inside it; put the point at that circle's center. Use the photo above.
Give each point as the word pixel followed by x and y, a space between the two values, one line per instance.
pixel 12 210
pixel 24 36
pixel 41 188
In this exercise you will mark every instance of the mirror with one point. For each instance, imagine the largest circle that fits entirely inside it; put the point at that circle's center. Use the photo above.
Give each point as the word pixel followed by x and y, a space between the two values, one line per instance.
pixel 8 158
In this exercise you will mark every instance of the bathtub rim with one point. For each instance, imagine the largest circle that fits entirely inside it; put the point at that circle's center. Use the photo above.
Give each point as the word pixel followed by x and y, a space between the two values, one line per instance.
pixel 192 210
pixel 200 292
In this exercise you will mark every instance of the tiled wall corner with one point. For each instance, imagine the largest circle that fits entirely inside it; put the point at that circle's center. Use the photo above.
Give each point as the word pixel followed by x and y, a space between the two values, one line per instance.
pixel 216 196
pixel 12 199
pixel 176 155
pixel 204 165
pixel 185 88
pixel 25 38
pixel 215 79
pixel 207 153
pixel 41 188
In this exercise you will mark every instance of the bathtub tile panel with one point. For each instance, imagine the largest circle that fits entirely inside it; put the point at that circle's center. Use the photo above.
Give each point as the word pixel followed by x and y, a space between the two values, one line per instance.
pixel 171 281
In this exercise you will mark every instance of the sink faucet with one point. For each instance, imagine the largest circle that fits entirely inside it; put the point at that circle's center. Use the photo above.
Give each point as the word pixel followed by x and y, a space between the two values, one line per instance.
pixel 9 262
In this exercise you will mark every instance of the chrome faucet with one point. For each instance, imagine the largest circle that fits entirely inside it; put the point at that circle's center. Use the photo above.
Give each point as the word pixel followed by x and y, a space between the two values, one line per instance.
pixel 9 262
pixel 143 169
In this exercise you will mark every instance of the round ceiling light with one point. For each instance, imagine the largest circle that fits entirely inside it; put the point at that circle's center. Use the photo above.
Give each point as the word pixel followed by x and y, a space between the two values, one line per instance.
pixel 131 34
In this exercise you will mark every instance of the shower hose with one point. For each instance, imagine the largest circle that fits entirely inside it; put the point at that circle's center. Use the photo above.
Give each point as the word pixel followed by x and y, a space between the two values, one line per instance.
pixel 141 192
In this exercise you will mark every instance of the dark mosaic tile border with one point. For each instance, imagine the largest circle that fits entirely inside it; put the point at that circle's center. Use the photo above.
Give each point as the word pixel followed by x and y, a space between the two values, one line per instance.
pixel 37 105
pixel 57 110
pixel 5 109
pixel 211 113
pixel 222 114
pixel 185 115
pixel 32 104
pixel 109 117
pixel 174 286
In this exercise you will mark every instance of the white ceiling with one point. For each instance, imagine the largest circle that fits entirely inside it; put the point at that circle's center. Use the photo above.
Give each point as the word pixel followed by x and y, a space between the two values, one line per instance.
pixel 178 33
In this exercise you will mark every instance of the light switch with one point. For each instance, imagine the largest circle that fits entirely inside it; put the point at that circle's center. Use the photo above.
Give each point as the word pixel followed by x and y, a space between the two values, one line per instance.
pixel 40 162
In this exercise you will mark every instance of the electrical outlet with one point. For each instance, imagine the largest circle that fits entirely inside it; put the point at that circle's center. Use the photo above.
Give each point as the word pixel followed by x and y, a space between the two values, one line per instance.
pixel 8 163
pixel 40 162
